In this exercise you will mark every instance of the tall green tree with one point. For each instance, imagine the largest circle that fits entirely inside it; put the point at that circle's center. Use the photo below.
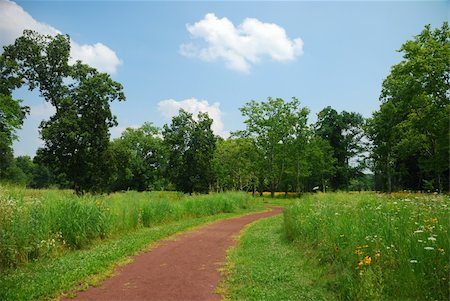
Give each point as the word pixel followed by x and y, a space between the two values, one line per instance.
pixel 191 144
pixel 416 94
pixel 273 126
pixel 76 138
pixel 344 132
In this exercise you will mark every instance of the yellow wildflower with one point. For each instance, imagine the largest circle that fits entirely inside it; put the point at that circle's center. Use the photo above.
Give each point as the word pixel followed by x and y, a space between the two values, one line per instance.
pixel 367 260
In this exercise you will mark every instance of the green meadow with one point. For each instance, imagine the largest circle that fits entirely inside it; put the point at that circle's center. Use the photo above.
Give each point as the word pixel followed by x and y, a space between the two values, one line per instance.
pixel 350 246
pixel 54 242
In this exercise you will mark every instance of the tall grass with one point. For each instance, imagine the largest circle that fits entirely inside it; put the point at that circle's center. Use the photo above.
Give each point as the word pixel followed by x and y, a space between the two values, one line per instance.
pixel 43 223
pixel 378 247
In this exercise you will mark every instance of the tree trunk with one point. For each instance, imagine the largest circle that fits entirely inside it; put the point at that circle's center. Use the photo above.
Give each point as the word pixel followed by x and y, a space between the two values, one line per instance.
pixel 389 180
pixel 439 182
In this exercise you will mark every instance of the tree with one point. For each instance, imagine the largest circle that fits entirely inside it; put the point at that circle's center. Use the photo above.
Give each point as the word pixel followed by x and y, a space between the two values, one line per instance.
pixel 344 132
pixel 273 126
pixel 12 114
pixel 235 164
pixel 76 138
pixel 26 167
pixel 322 163
pixel 191 144
pixel 140 158
pixel 416 94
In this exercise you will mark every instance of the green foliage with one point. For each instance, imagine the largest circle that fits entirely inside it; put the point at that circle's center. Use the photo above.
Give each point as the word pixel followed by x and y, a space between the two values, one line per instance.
pixel 322 163
pixel 377 247
pixel 410 132
pixel 82 154
pixel 235 165
pixel 344 132
pixel 275 127
pixel 76 138
pixel 191 144
pixel 139 156
pixel 12 115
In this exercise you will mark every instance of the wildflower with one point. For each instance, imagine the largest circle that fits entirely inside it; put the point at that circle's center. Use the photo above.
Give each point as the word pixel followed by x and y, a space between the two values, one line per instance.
pixel 358 252
pixel 429 248
pixel 432 238
pixel 360 263
pixel 377 254
pixel 413 261
pixel 366 261
pixel 441 250
pixel 418 231
pixel 419 240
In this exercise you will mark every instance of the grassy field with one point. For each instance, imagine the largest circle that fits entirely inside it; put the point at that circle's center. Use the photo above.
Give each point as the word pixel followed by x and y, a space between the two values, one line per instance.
pixel 51 240
pixel 37 224
pixel 347 246
pixel 385 247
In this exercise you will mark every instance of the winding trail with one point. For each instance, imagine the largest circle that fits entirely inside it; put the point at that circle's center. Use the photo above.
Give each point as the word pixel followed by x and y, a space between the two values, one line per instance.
pixel 185 268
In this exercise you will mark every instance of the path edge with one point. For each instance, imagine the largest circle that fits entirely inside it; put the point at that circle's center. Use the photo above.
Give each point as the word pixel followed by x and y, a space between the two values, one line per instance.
pixel 225 270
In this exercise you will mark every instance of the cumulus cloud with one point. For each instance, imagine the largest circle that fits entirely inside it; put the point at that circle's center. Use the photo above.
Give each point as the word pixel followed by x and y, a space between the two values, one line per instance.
pixel 14 19
pixel 240 46
pixel 170 107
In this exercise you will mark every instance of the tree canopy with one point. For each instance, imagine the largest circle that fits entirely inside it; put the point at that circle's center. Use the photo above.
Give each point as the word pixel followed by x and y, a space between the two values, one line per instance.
pixel 410 132
pixel 76 138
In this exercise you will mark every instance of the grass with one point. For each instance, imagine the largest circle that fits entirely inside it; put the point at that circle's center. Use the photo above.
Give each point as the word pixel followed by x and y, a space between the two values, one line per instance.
pixel 78 269
pixel 376 247
pixel 42 224
pixel 52 240
pixel 266 266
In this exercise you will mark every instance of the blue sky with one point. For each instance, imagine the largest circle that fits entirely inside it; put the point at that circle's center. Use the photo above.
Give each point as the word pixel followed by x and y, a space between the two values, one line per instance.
pixel 331 54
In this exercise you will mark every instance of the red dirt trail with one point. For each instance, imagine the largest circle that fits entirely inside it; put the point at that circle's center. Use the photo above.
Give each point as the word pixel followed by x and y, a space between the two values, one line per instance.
pixel 182 269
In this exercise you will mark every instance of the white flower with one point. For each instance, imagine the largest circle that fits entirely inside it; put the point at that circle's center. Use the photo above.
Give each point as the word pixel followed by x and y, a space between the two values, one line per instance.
pixel 429 248
pixel 420 240
pixel 413 261
pixel 418 231
pixel 432 238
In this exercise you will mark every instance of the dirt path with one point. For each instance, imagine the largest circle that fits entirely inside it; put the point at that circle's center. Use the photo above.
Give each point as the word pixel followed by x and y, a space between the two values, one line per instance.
pixel 182 269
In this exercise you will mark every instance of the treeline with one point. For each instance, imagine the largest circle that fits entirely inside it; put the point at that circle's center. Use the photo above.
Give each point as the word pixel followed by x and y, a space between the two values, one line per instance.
pixel 405 145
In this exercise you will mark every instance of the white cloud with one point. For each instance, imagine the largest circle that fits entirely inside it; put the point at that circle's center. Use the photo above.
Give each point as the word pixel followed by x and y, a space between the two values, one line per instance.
pixel 98 56
pixel 14 19
pixel 170 107
pixel 240 46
